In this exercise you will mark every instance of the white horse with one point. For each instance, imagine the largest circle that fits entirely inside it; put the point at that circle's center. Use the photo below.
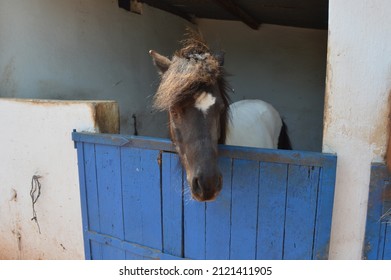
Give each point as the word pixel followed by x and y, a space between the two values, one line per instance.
pixel 254 123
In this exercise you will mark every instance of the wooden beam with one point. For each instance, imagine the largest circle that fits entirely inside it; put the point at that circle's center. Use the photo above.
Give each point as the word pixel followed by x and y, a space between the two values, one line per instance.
pixel 169 8
pixel 238 12
pixel 124 4
pixel 134 6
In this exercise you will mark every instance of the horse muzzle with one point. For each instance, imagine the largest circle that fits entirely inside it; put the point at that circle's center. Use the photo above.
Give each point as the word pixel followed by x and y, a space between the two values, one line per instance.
pixel 206 188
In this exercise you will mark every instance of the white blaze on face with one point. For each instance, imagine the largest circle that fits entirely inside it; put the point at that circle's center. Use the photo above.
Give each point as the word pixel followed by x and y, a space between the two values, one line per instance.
pixel 204 102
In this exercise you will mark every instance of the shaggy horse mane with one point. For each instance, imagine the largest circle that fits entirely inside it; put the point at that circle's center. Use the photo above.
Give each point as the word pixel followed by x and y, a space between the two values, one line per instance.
pixel 193 68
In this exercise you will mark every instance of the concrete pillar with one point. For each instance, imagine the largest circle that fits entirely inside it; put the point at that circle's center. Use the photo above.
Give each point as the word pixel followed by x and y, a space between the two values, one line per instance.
pixel 356 111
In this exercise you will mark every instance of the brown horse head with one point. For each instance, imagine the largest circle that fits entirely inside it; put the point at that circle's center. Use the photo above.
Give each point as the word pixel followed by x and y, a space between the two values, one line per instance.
pixel 193 91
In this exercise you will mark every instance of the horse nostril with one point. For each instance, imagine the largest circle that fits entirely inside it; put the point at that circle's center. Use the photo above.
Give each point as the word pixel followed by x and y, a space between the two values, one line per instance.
pixel 196 186
pixel 206 188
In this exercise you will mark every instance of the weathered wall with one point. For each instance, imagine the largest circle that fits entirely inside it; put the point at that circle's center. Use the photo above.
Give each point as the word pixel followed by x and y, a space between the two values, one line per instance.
pixel 94 50
pixel 356 111
pixel 85 50
pixel 36 141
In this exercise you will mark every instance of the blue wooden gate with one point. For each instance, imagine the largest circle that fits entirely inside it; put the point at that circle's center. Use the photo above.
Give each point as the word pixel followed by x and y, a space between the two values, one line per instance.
pixel 136 204
pixel 378 230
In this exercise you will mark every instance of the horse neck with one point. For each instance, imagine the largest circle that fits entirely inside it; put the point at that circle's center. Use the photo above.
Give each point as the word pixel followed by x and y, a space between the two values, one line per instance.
pixel 225 116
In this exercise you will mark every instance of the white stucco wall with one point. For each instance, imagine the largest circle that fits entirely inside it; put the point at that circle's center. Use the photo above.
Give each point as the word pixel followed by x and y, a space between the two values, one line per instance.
pixel 356 111
pixel 36 141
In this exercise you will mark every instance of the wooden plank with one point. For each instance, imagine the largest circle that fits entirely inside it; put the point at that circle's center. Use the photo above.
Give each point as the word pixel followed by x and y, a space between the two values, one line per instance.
pixel 172 195
pixel 140 171
pixel 386 218
pixel 112 253
pixel 382 240
pixel 129 255
pixel 176 9
pixel 121 140
pixel 109 190
pixel 83 197
pixel 218 217
pixel 324 211
pixel 300 211
pixel 235 9
pixel 384 251
pixel 271 212
pixel 387 242
pixel 194 225
pixel 375 230
pixel 247 153
pixel 244 209
pixel 278 156
pixel 91 187
pixel 135 251
pixel 96 249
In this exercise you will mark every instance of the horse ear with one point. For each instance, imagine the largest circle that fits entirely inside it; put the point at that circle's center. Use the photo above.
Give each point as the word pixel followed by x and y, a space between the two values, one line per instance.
pixel 161 62
pixel 220 57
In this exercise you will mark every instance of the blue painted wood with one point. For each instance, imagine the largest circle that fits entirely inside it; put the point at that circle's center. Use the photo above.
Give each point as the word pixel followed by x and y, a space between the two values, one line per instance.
pixel 300 211
pixel 249 153
pixel 129 250
pixel 172 193
pixel 386 218
pixel 271 210
pixel 109 186
pixel 120 140
pixel 112 253
pixel 274 204
pixel 91 187
pixel 244 209
pixel 382 240
pixel 96 252
pixel 218 217
pixel 377 232
pixel 372 250
pixel 141 196
pixel 84 196
pixel 194 225
pixel 387 242
pixel 323 213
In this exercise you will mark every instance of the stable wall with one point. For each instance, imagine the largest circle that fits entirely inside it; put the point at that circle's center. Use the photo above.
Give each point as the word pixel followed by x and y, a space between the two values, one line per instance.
pixel 86 49
pixel 94 50
pixel 356 111
pixel 36 143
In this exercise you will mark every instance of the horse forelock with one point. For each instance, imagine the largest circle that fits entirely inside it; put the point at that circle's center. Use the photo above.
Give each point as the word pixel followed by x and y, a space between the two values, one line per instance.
pixel 193 44
pixel 192 68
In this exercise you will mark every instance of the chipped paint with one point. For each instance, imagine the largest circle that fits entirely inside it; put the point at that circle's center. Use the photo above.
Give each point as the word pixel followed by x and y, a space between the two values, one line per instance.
pixel 106 115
